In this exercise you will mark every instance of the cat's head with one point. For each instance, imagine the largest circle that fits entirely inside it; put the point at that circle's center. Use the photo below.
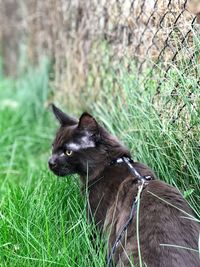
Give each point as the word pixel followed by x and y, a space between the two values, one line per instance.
pixel 82 146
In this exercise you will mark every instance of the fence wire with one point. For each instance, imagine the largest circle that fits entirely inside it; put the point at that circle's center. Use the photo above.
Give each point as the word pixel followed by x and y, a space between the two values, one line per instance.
pixel 156 35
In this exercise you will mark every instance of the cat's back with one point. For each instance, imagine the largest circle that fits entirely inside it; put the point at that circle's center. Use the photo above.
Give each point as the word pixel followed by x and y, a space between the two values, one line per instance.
pixel 168 232
pixel 168 225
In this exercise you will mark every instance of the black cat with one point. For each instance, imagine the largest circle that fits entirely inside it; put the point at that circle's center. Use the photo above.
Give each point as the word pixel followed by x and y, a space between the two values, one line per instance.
pixel 168 232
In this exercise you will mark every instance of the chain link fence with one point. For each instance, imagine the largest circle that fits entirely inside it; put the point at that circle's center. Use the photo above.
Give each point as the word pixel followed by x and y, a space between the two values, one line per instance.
pixel 154 35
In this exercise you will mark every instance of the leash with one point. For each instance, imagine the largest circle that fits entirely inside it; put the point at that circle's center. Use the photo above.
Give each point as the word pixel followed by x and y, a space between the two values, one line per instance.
pixel 143 180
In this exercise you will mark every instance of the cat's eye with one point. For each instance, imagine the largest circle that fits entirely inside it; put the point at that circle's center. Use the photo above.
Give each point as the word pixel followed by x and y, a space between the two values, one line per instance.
pixel 68 152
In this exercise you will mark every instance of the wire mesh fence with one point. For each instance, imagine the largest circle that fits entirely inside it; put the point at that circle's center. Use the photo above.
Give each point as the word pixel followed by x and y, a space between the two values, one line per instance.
pixel 154 35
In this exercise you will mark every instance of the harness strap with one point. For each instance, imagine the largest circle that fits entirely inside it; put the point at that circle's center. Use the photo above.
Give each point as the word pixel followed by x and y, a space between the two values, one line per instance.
pixel 135 173
pixel 143 180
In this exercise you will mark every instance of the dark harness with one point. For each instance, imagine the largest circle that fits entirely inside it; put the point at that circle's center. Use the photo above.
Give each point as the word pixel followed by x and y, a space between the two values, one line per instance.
pixel 142 181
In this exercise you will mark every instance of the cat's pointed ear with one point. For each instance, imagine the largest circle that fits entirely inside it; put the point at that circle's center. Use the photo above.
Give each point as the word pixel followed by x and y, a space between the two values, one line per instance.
pixel 62 117
pixel 88 123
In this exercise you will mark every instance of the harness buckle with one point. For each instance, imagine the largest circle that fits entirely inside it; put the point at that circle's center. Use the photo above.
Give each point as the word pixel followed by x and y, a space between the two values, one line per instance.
pixel 148 177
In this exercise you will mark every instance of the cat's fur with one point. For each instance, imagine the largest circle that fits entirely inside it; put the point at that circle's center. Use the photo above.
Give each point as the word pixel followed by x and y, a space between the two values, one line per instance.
pixel 164 220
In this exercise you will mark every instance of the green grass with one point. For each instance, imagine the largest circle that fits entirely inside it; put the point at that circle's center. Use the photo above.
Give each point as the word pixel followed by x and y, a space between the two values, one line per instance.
pixel 42 217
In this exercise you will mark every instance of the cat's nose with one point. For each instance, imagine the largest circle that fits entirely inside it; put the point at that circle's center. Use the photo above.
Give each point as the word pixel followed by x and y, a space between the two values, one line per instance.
pixel 52 163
